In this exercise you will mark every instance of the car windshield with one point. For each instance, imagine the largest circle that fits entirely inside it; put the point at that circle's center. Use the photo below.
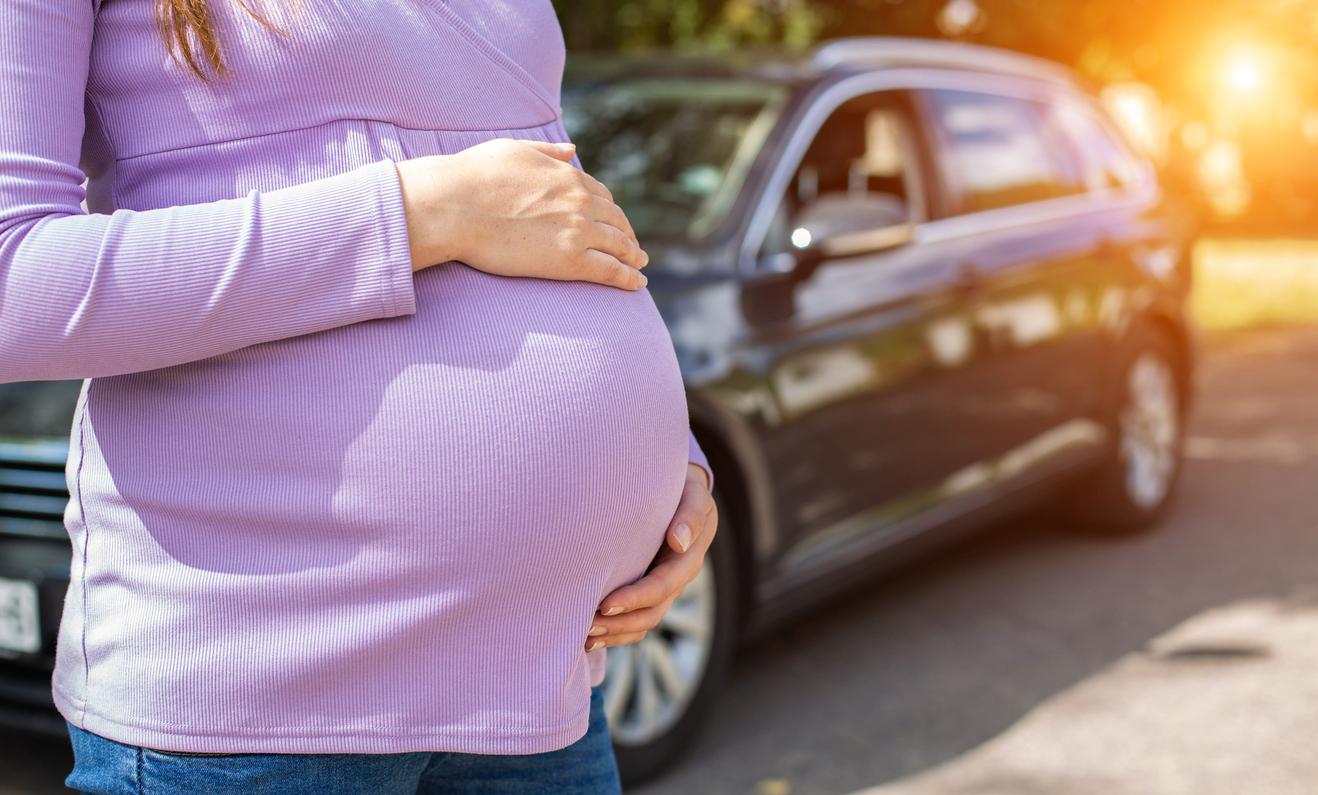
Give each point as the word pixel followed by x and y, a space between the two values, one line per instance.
pixel 674 152
pixel 37 409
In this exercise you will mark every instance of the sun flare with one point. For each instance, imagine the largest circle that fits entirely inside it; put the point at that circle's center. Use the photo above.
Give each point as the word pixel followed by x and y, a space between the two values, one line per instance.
pixel 1244 73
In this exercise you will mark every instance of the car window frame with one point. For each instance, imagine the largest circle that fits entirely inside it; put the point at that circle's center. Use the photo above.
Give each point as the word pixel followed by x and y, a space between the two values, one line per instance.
pixel 1107 126
pixel 804 120
pixel 916 180
pixel 954 190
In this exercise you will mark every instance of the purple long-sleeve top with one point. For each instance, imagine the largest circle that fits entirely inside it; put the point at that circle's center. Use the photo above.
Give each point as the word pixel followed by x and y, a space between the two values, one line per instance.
pixel 318 503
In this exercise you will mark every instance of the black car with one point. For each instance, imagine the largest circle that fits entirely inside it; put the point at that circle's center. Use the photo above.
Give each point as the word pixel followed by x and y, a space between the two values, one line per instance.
pixel 915 288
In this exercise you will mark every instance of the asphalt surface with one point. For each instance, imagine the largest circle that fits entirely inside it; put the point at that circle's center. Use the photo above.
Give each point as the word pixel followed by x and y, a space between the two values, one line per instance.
pixel 1037 660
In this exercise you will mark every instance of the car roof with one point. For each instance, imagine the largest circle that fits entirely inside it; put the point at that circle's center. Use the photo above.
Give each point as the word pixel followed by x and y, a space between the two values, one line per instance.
pixel 884 52
pixel 760 64
pixel 829 58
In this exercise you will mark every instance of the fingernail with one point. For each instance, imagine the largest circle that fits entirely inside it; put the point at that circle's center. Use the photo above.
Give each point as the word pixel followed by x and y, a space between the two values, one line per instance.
pixel 567 145
pixel 613 611
pixel 644 279
pixel 683 534
pixel 596 629
pixel 595 645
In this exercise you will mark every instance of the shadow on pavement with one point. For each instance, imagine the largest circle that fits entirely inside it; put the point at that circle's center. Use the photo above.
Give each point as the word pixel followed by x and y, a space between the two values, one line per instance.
pixel 1222 704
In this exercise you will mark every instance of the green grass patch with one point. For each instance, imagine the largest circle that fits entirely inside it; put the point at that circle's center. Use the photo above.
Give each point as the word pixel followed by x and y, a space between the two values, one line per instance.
pixel 1250 283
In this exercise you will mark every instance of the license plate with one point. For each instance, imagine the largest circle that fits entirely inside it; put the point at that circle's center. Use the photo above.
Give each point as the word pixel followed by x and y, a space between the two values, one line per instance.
pixel 18 617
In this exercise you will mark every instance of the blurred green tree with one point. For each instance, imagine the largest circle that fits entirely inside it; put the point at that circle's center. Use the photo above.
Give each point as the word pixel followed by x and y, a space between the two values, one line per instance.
pixel 605 25
pixel 1151 40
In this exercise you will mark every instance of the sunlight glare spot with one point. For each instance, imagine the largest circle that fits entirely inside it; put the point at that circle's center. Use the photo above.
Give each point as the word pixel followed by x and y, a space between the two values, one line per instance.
pixel 1244 74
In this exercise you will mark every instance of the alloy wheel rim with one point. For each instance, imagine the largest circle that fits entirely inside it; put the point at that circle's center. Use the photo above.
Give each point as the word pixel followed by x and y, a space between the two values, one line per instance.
pixel 649 684
pixel 1150 425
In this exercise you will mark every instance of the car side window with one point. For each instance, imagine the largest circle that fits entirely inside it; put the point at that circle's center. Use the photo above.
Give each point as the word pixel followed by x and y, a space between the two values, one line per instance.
pixel 1105 161
pixel 862 164
pixel 996 152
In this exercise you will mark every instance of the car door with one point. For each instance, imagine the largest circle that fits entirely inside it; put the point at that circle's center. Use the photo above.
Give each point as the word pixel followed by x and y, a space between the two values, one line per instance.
pixel 861 345
pixel 1021 216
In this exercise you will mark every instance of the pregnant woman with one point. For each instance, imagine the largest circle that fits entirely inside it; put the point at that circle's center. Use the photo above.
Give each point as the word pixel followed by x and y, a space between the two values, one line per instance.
pixel 382 439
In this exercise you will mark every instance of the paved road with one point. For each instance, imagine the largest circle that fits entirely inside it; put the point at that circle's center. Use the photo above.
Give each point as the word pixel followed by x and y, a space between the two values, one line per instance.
pixel 1032 660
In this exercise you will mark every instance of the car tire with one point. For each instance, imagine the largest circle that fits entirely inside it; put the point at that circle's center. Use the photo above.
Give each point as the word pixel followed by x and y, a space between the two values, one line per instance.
pixel 647 748
pixel 1132 488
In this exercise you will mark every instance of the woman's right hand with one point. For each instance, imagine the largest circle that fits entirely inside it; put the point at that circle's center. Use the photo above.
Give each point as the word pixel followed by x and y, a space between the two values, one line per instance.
pixel 518 208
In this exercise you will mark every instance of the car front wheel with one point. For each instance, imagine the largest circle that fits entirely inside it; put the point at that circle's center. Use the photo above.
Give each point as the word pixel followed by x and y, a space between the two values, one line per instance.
pixel 658 692
pixel 1132 488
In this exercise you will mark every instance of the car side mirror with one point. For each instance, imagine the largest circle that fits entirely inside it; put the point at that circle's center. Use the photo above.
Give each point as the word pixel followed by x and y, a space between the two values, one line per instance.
pixel 839 225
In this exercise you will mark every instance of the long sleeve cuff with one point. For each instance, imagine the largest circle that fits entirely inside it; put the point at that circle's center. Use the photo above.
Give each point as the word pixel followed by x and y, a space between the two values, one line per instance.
pixel 697 456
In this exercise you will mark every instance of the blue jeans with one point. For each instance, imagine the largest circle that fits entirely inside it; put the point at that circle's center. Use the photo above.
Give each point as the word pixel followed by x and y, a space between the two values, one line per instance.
pixel 586 767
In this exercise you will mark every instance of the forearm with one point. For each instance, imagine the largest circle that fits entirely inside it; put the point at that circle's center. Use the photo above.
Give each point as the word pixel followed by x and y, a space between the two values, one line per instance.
pixel 94 295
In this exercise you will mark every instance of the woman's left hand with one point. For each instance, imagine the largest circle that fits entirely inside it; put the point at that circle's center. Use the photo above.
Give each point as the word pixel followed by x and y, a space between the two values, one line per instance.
pixel 634 609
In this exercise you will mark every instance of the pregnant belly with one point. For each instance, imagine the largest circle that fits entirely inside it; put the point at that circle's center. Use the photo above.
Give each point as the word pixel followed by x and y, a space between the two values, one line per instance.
pixel 512 433
pixel 437 501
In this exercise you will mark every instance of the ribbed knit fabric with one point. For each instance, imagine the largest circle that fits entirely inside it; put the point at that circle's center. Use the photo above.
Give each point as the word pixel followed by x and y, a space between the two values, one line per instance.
pixel 318 504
